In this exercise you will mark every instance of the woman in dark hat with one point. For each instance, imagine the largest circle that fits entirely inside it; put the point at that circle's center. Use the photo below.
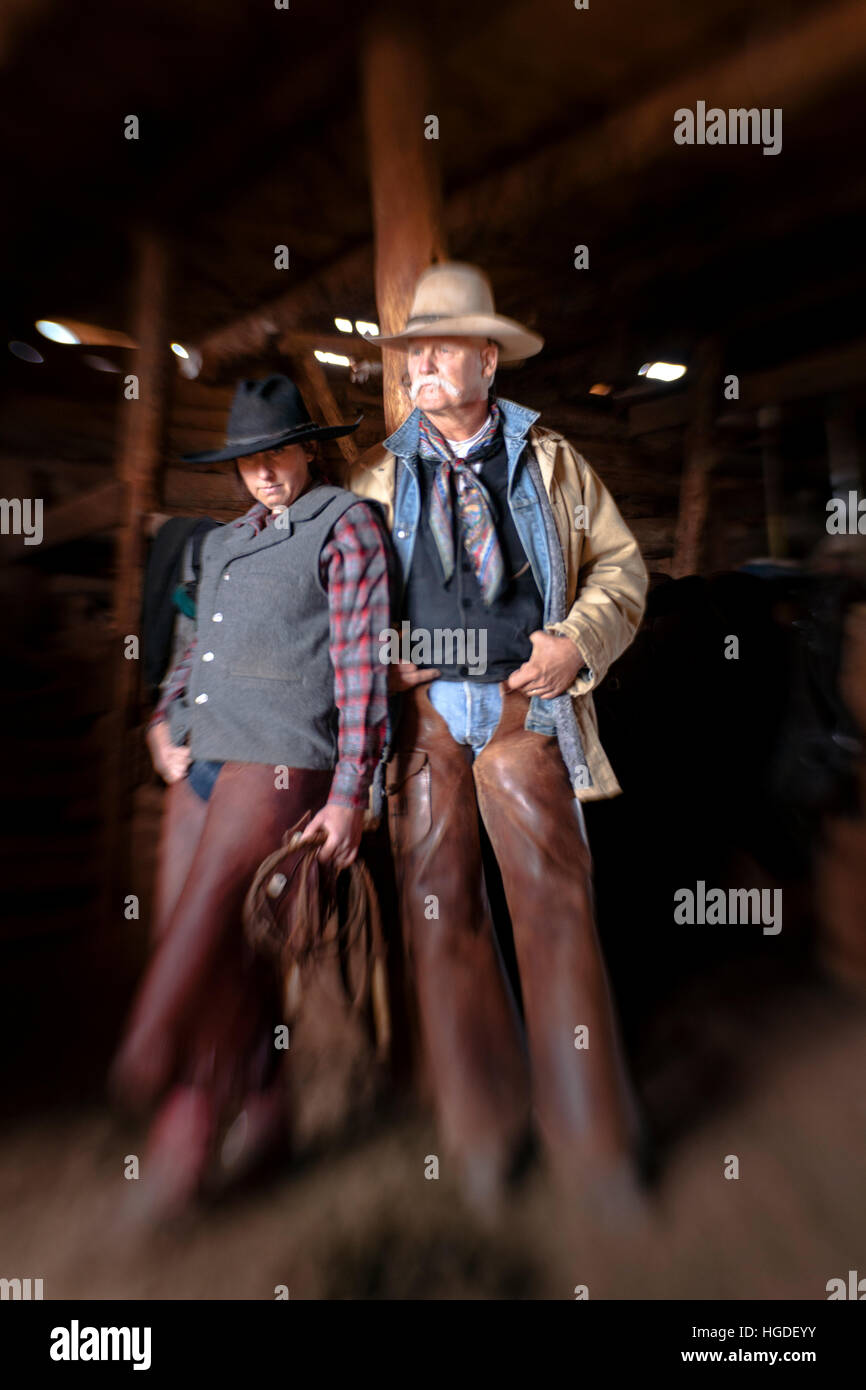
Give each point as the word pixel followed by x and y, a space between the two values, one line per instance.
pixel 278 708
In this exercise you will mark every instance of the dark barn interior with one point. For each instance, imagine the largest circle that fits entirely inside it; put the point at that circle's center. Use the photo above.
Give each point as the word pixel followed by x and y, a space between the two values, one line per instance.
pixel 304 128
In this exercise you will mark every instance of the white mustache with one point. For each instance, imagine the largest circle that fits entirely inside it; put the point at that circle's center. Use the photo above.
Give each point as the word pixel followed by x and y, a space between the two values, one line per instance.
pixel 432 380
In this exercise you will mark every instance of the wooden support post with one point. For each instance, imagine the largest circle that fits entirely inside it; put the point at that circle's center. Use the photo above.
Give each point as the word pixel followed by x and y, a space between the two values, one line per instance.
pixel 840 859
pixel 843 447
pixel 405 182
pixel 769 421
pixel 141 432
pixel 142 424
pixel 701 453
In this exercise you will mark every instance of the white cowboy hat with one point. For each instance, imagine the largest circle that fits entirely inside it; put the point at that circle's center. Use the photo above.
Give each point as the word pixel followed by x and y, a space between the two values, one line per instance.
pixel 454 299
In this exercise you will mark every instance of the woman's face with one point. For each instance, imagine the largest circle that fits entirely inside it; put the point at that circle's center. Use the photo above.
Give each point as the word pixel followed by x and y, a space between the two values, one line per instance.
pixel 278 476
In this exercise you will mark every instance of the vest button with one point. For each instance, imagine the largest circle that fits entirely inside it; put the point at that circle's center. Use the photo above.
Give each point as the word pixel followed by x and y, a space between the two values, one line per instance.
pixel 207 656
pixel 401 535
pixel 226 575
pixel 217 618
pixel 201 699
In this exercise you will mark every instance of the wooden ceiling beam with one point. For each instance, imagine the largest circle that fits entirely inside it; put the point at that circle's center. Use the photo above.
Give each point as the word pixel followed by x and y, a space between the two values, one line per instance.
pixel 773 70
pixel 633 139
pixel 835 370
pixel 101 508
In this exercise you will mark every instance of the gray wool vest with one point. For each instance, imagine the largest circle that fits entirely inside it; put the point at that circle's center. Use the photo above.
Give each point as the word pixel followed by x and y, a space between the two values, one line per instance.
pixel 261 689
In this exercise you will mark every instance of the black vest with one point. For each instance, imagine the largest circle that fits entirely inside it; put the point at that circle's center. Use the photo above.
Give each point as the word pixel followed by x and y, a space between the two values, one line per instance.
pixel 430 603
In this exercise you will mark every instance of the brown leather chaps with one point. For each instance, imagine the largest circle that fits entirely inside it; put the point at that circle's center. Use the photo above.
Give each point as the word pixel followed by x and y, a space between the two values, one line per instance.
pixel 485 1071
pixel 203 1001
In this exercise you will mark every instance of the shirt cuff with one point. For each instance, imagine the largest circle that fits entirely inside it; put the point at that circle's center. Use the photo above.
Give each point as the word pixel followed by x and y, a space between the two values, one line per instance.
pixel 351 785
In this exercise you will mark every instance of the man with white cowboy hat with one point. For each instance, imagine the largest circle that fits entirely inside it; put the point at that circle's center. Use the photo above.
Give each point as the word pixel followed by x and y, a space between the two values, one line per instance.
pixel 510 544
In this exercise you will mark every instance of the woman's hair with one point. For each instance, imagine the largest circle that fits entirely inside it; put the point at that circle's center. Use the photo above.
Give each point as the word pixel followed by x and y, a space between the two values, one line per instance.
pixel 314 455
pixel 241 491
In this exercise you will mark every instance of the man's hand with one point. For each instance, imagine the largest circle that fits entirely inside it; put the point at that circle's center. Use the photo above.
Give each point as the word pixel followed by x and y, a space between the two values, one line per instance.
pixel 551 669
pixel 403 675
pixel 343 826
pixel 170 760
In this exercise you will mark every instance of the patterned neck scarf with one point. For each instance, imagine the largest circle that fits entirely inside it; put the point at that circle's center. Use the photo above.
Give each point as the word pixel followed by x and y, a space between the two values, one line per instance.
pixel 454 477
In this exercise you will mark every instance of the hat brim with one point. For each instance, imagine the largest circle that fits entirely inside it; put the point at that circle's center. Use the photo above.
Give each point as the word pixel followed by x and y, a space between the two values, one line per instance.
pixel 261 446
pixel 515 341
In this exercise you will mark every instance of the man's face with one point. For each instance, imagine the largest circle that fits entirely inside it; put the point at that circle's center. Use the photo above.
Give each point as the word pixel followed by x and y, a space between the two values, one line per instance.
pixel 277 476
pixel 449 372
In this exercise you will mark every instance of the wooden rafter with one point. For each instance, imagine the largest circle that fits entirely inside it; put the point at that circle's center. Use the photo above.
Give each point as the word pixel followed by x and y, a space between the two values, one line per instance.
pixel 634 138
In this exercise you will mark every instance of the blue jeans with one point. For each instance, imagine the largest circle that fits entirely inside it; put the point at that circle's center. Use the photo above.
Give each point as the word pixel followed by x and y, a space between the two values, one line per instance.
pixel 471 709
pixel 201 777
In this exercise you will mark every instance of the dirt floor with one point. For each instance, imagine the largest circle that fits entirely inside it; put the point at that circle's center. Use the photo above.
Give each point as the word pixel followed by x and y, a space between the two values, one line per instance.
pixel 747 1062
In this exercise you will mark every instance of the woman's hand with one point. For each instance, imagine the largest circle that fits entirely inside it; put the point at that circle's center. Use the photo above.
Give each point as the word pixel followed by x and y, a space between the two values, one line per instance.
pixel 403 675
pixel 342 826
pixel 170 760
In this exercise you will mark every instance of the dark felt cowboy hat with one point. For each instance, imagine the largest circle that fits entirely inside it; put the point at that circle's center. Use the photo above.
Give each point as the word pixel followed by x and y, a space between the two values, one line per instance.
pixel 268 414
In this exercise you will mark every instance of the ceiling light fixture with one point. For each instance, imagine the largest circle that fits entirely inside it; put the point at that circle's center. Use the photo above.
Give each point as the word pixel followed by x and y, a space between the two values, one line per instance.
pixel 370 330
pixel 57 332
pixel 344 325
pixel 662 371
pixel 190 363
pixel 332 358
pixel 73 331
pixel 100 364
pixel 25 352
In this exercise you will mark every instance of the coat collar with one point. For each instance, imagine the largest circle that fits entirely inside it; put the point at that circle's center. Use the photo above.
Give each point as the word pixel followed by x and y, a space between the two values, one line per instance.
pixel 516 422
